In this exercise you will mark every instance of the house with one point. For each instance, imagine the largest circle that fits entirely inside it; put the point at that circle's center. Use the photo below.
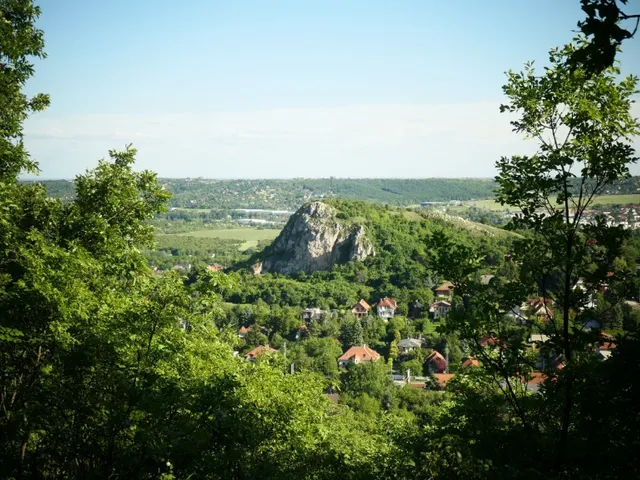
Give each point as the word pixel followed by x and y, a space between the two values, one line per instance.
pixel 361 309
pixel 243 332
pixel 181 267
pixel 470 362
pixel 605 349
pixel 488 340
pixel 558 362
pixel 407 345
pixel 445 290
pixel 311 314
pixel 539 308
pixel 358 355
pixel 440 309
pixel 605 336
pixel 443 379
pixel 437 363
pixel 259 351
pixel 533 383
pixel 386 308
pixel 537 339
pixel 216 267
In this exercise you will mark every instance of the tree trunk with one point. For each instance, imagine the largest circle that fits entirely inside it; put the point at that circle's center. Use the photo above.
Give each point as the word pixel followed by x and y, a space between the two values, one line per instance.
pixel 566 340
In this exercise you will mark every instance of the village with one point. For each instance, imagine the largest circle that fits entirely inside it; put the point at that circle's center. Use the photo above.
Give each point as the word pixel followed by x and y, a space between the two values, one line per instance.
pixel 536 314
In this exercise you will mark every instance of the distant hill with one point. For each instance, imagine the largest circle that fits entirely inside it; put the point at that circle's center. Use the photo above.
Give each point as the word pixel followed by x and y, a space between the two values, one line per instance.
pixel 290 194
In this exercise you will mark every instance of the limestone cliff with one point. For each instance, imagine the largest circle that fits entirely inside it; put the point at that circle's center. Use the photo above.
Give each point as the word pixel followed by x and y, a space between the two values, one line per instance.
pixel 314 239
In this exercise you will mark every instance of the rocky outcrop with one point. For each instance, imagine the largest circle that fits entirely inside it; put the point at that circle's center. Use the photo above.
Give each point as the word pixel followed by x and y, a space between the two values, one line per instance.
pixel 256 269
pixel 314 239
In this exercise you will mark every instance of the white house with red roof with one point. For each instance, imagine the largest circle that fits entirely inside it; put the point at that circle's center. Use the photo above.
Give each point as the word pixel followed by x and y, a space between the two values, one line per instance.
pixel 386 308
pixel 358 354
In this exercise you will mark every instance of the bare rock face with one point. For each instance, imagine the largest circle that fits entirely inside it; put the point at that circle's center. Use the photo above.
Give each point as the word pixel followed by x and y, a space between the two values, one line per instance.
pixel 256 269
pixel 314 240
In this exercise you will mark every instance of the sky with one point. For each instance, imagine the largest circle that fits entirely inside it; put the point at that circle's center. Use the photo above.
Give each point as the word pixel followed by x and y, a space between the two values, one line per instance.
pixel 283 89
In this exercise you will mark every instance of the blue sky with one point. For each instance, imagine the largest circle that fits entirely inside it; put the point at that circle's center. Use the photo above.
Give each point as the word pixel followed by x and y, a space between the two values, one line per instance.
pixel 230 89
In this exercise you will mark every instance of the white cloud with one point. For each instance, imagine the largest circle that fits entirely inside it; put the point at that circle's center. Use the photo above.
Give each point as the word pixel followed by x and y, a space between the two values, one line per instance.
pixel 349 141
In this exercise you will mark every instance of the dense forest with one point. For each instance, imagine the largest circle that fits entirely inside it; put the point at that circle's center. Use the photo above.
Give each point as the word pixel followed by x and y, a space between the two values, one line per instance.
pixel 453 350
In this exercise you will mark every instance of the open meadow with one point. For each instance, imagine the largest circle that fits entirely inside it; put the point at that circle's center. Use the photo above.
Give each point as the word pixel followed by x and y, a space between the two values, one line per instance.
pixel 249 236
pixel 602 200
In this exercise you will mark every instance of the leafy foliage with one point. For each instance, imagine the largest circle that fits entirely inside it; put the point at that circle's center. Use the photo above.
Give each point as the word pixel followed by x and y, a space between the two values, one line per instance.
pixel 583 125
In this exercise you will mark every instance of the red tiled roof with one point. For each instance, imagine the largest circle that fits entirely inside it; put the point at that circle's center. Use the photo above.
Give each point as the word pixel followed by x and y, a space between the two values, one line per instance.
pixel 244 330
pixel 541 305
pixel 607 346
pixel 214 268
pixel 443 378
pixel 259 351
pixel 388 302
pixel 488 340
pixel 434 354
pixel 445 287
pixel 360 354
pixel 558 363
pixel 363 304
pixel 536 378
pixel 471 362
pixel 540 301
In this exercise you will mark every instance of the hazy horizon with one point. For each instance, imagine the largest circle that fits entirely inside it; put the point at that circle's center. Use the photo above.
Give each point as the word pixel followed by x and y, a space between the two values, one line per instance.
pixel 160 177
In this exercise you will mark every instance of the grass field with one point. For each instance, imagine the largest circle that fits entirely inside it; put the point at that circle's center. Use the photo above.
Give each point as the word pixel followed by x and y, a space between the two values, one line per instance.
pixel 249 236
pixel 245 234
pixel 617 199
pixel 195 210
pixel 603 200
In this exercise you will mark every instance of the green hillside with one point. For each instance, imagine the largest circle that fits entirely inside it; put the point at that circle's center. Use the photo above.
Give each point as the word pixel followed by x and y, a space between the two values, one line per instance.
pixel 401 267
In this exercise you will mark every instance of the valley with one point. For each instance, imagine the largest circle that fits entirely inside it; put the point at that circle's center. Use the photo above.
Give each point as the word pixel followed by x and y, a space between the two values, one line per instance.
pixel 295 324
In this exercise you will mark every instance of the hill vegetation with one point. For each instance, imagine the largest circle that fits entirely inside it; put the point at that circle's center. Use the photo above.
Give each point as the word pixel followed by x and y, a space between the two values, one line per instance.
pixel 401 267
pixel 278 194
pixel 527 356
